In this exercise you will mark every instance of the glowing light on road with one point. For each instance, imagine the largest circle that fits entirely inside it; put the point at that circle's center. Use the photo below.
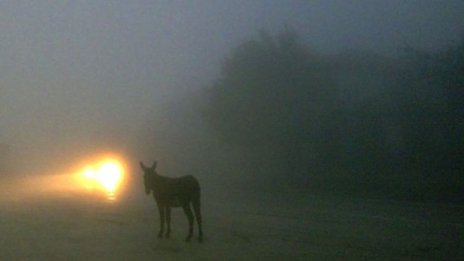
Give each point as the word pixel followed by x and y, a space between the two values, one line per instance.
pixel 106 176
pixel 109 175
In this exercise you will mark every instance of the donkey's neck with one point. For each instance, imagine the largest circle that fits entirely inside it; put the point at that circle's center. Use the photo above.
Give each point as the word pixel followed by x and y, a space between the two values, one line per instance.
pixel 156 176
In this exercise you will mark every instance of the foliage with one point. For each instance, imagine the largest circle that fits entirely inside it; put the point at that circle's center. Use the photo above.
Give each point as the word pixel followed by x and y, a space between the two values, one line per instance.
pixel 269 88
pixel 361 117
pixel 434 109
pixel 274 94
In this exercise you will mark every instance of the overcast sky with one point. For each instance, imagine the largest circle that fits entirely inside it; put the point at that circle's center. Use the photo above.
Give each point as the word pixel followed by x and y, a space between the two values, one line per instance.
pixel 77 74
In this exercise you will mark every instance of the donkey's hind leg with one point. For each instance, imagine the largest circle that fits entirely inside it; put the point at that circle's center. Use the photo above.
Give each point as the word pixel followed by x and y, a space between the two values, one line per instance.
pixel 189 214
pixel 197 210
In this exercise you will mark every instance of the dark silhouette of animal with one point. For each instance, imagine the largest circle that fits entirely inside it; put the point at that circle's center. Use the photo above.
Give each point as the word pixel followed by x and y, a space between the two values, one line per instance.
pixel 174 192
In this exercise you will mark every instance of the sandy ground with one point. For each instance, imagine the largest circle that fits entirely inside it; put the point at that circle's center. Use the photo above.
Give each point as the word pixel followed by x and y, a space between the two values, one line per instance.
pixel 69 225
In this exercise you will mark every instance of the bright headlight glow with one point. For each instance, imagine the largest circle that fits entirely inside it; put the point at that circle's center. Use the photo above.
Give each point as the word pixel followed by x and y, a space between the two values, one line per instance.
pixel 109 175
pixel 106 175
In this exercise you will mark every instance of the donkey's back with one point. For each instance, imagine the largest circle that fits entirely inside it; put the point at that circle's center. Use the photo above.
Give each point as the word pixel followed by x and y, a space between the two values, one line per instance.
pixel 177 192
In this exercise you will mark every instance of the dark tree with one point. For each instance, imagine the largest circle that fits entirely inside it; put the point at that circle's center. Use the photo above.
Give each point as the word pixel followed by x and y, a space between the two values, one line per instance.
pixel 275 95
pixel 355 121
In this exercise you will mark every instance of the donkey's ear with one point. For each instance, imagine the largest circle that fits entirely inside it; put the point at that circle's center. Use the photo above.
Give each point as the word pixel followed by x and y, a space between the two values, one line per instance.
pixel 153 167
pixel 142 166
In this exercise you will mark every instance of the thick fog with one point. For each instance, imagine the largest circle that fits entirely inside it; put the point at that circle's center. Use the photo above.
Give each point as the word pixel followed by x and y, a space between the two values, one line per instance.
pixel 318 130
pixel 79 77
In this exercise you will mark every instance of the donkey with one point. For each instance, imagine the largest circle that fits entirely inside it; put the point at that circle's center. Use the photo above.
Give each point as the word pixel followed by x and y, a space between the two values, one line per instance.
pixel 174 192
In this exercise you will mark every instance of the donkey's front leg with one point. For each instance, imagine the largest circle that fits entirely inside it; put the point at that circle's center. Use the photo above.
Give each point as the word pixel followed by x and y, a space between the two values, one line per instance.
pixel 162 216
pixel 168 221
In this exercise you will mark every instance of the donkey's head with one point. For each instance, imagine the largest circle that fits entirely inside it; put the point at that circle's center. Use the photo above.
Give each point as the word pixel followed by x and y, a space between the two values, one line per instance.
pixel 148 176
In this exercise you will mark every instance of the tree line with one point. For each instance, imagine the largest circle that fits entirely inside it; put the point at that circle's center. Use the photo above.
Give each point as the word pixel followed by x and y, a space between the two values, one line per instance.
pixel 357 118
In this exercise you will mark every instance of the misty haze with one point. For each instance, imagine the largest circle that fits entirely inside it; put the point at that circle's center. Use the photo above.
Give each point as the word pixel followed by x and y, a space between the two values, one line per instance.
pixel 317 130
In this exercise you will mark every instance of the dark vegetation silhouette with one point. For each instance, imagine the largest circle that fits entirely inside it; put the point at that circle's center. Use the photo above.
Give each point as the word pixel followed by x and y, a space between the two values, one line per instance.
pixel 355 122
pixel 174 192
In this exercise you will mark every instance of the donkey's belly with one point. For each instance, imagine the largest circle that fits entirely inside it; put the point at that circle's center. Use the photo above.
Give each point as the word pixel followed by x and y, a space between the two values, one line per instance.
pixel 174 202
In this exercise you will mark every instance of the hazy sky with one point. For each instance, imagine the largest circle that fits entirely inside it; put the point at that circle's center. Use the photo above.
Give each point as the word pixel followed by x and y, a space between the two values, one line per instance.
pixel 78 74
